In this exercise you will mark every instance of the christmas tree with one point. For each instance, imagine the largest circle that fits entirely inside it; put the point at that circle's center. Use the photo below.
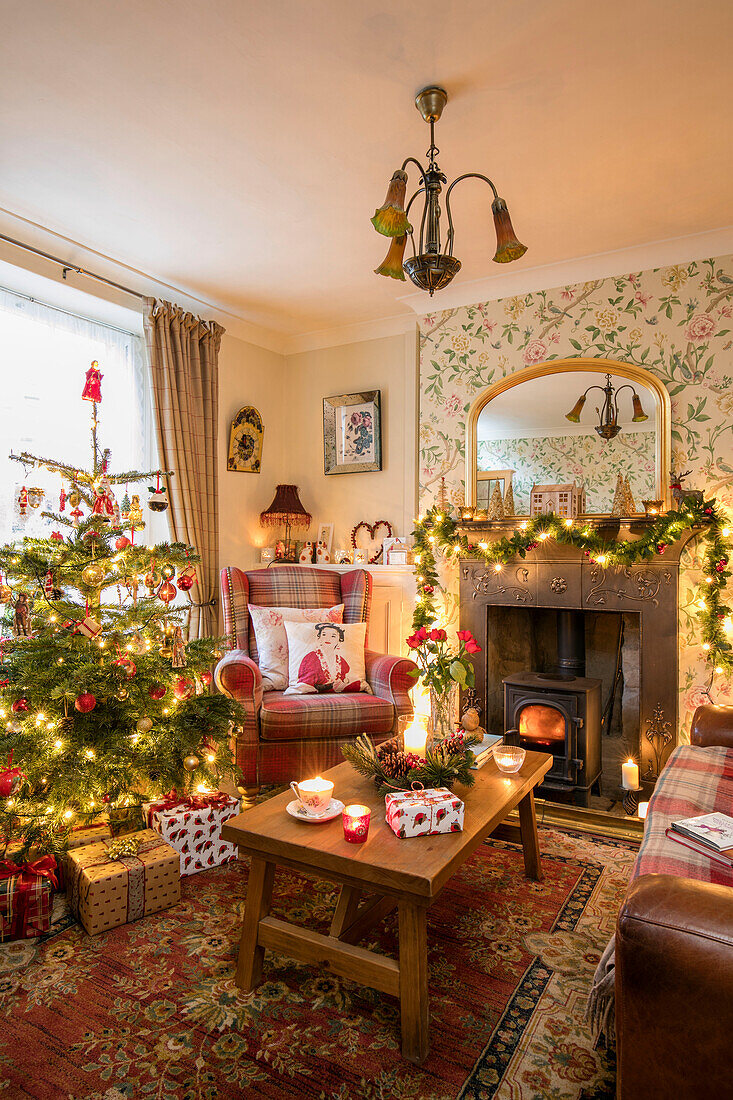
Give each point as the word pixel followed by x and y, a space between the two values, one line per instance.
pixel 102 702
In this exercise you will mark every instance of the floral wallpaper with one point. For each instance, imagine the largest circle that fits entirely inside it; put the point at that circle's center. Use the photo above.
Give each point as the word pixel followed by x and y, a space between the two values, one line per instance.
pixel 676 322
pixel 585 459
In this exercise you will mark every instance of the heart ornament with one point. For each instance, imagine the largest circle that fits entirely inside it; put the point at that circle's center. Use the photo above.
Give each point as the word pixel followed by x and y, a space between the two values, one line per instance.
pixel 375 545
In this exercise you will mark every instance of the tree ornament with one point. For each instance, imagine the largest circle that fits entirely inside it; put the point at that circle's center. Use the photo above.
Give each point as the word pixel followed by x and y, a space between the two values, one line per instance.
pixel 137 644
pixel 721 565
pixel 152 580
pixel 122 694
pixel 91 535
pixel 158 500
pixel 57 536
pixel 144 724
pixel 93 386
pixel 167 572
pixel 6 592
pixel 62 499
pixel 191 762
pixel 23 501
pixel 126 664
pixel 206 678
pixel 76 514
pixel 20 706
pixel 183 688
pixel 85 702
pixel 22 617
pixel 74 496
pixel 135 515
pixel 122 543
pixel 93 574
pixel 185 582
pixel 10 779
pixel 65 724
pixel 157 691
pixel 178 649
pixel 125 507
pixel 35 496
pixel 167 592
pixel 496 504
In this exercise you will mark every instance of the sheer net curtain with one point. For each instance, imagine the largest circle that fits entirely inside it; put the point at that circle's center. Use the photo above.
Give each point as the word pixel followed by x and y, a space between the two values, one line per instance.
pixel 44 354
pixel 183 352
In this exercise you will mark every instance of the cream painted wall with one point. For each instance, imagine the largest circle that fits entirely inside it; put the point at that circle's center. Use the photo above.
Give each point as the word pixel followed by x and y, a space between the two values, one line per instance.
pixel 248 375
pixel 388 364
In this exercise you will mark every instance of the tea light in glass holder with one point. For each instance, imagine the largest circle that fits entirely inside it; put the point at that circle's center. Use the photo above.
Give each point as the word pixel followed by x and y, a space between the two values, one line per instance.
pixel 356 823
pixel 642 809
pixel 412 731
pixel 361 557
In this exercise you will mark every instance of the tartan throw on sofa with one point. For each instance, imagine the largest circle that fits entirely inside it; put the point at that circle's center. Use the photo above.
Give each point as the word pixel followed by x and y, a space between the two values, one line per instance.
pixel 694 781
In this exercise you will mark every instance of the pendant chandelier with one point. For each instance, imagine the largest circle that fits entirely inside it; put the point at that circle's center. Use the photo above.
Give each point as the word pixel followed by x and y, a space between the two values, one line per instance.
pixel 608 426
pixel 429 267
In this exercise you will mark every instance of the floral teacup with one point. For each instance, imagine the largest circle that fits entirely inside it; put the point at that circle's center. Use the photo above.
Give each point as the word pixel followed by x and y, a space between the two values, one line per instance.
pixel 314 794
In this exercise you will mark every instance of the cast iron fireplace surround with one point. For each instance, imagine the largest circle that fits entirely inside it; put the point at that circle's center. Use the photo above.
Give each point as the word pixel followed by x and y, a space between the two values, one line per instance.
pixel 560 577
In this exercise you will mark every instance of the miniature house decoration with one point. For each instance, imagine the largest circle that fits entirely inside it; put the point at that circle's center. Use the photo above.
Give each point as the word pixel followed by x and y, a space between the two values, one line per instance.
pixel 563 500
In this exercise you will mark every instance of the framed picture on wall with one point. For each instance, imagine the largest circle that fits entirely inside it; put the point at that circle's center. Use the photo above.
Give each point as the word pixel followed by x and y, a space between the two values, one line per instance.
pixel 325 535
pixel 352 433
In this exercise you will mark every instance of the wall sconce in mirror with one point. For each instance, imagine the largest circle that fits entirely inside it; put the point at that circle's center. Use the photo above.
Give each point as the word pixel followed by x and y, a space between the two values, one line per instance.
pixel 608 426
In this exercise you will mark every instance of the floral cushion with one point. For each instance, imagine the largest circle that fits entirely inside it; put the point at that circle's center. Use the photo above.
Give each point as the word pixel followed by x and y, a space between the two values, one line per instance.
pixel 272 641
pixel 326 657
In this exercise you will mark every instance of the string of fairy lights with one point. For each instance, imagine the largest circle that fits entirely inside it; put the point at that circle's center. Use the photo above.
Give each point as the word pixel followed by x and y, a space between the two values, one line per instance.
pixel 438 533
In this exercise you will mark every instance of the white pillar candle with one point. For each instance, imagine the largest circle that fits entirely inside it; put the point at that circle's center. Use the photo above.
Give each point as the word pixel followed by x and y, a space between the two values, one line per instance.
pixel 416 736
pixel 630 775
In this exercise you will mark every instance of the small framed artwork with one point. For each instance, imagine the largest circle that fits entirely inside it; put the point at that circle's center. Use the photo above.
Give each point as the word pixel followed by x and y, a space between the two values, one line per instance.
pixel 352 433
pixel 325 535
pixel 245 441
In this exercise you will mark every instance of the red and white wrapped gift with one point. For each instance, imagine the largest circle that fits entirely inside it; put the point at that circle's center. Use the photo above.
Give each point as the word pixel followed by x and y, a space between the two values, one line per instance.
pixel 424 812
pixel 192 825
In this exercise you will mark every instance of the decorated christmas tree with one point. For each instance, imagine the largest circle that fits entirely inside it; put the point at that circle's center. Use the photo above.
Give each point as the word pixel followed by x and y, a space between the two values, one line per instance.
pixel 102 702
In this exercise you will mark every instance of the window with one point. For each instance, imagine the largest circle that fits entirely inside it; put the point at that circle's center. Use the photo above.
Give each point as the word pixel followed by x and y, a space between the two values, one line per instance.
pixel 45 354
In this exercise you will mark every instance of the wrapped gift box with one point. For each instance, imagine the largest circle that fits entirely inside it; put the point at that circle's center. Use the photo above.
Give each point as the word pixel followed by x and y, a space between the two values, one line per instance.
pixel 192 825
pixel 105 891
pixel 26 897
pixel 89 834
pixel 423 813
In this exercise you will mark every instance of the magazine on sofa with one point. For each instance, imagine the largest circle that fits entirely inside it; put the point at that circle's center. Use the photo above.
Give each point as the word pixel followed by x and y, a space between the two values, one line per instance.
pixel 712 830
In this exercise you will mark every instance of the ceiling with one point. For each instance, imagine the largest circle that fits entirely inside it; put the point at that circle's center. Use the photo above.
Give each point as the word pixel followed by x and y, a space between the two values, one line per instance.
pixel 236 149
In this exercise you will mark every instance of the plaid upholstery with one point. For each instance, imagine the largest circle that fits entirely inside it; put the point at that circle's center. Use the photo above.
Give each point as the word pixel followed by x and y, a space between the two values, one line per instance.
pixel 283 736
pixel 289 586
pixel 695 781
pixel 290 717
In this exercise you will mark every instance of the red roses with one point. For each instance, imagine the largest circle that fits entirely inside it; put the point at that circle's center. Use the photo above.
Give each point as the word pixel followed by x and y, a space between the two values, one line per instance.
pixel 470 643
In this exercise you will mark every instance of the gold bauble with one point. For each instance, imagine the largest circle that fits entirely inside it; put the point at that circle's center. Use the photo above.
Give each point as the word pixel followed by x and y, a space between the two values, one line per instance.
pixel 121 694
pixel 165 651
pixel 93 574
pixel 191 762
pixel 144 724
pixel 74 498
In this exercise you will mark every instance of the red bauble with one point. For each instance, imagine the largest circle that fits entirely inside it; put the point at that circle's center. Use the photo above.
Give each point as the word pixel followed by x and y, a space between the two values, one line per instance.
pixel 20 706
pixel 85 702
pixel 206 678
pixel 10 781
pixel 157 691
pixel 122 543
pixel 167 592
pixel 127 664
pixel 185 582
pixel 183 688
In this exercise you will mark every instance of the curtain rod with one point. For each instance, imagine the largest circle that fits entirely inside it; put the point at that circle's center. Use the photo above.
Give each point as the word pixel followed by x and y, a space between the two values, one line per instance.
pixel 66 267
pixel 68 312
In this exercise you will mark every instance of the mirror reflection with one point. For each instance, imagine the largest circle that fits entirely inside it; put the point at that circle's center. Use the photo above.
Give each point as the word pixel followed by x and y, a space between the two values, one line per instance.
pixel 560 442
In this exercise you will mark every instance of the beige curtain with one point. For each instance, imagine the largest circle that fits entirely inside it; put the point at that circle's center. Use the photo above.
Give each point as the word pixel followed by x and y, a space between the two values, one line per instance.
pixel 183 353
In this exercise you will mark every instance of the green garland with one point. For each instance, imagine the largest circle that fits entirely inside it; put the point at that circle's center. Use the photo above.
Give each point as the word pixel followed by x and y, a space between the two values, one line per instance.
pixel 438 532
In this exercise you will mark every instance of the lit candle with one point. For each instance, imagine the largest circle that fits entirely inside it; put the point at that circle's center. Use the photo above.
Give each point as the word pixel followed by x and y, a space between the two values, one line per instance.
pixel 643 807
pixel 356 823
pixel 630 775
pixel 416 735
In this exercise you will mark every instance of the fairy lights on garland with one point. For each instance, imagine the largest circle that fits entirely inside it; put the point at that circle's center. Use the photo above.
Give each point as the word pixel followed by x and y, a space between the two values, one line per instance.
pixel 437 532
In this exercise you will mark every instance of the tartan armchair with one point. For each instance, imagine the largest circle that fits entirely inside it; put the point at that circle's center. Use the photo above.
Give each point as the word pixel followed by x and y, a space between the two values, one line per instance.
pixel 284 737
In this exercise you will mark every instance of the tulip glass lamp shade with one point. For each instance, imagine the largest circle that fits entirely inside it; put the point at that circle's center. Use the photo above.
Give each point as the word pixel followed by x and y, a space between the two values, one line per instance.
pixel 608 426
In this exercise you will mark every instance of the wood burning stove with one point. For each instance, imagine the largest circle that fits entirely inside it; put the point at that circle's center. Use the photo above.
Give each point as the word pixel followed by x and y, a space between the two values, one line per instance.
pixel 560 713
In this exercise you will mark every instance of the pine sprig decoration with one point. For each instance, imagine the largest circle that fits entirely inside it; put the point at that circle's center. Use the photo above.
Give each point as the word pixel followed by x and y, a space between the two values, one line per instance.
pixel 438 533
pixel 392 770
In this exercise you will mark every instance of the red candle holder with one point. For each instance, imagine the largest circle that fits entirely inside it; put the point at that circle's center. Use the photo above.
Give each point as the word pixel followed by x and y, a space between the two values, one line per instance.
pixel 356 823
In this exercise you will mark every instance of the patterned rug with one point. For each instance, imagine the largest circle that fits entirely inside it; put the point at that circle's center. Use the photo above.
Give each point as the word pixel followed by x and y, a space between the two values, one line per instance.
pixel 150 1010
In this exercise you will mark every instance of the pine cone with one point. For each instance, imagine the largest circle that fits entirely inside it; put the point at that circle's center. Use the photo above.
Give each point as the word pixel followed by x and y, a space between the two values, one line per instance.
pixel 66 724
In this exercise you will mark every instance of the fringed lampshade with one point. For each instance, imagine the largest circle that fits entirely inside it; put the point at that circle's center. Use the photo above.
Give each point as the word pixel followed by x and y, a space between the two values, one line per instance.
pixel 286 511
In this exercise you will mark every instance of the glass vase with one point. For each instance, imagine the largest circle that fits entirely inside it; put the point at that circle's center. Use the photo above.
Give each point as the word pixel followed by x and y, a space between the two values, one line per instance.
pixel 443 712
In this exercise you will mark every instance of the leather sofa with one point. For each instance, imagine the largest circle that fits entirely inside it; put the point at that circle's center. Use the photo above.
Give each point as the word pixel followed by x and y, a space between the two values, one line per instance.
pixel 674 964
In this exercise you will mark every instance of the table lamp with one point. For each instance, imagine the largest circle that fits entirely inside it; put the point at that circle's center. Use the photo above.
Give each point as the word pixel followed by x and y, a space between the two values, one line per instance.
pixel 286 511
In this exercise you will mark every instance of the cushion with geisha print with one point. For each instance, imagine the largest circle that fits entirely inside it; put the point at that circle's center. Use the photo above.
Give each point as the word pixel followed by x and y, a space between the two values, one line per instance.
pixel 325 657
pixel 272 641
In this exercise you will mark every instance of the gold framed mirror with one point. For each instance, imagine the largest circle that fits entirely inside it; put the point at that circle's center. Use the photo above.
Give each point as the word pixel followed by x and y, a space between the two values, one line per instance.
pixel 569 428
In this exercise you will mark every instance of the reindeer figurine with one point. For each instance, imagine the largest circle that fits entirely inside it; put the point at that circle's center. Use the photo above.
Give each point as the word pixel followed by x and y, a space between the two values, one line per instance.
pixel 679 494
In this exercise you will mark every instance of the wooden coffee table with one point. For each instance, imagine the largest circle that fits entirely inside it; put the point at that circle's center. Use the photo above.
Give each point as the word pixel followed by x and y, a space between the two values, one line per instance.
pixel 382 874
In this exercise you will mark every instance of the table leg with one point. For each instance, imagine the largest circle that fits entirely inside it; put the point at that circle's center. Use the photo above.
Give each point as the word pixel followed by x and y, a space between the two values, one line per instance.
pixel 257 906
pixel 347 907
pixel 414 981
pixel 530 841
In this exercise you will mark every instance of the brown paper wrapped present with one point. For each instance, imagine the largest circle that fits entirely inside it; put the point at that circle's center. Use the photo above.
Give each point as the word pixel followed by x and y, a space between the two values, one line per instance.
pixel 105 890
pixel 89 834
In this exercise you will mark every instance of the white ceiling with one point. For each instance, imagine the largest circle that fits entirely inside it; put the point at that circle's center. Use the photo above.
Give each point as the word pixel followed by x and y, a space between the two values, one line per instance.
pixel 236 149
